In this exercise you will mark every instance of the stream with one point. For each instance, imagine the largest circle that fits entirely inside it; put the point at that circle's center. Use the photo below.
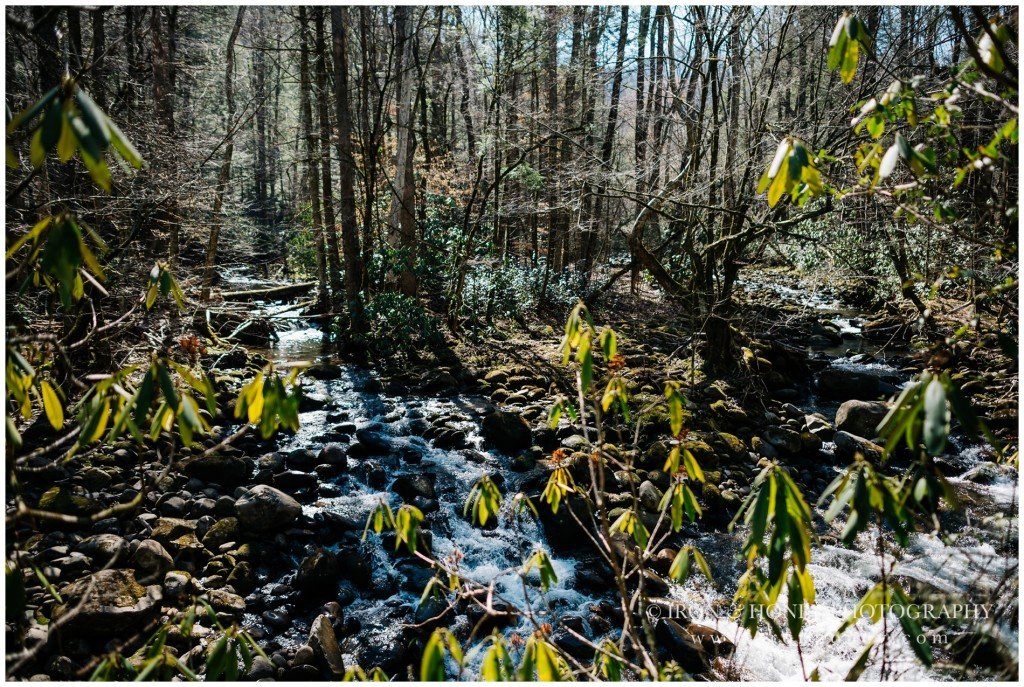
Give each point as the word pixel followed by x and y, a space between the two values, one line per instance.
pixel 973 569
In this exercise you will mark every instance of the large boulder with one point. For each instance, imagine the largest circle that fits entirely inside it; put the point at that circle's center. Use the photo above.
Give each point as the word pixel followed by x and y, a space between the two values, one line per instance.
pixel 861 417
pixel 109 602
pixel 848 445
pixel 507 431
pixel 264 508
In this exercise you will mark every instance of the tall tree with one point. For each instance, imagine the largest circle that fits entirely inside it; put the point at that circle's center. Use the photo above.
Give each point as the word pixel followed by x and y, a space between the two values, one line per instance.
pixel 312 160
pixel 347 173
pixel 403 198
pixel 323 103
pixel 224 175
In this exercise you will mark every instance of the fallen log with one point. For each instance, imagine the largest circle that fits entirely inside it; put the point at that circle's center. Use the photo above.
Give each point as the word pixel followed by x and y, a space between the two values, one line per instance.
pixel 270 293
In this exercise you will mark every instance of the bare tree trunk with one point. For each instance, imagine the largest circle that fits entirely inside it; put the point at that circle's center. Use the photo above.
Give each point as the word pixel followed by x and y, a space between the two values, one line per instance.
pixel 347 174
pixel 164 106
pixel 403 199
pixel 333 261
pixel 312 160
pixel 225 166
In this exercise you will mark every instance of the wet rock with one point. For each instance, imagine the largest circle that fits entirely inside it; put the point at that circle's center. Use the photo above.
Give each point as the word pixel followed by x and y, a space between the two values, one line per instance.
pixel 783 439
pixel 373 474
pixel 294 481
pixel 302 459
pixel 317 572
pixel 310 402
pixel 371 441
pixel 333 454
pixel 449 438
pixel 242 579
pixel 507 431
pixel 173 506
pixel 168 530
pixel 985 473
pixel 325 371
pixel 264 508
pixel 861 417
pixel 354 564
pixel 151 558
pixel 810 443
pixel 835 382
pixel 848 445
pixel 109 602
pixel 681 646
pixel 226 470
pixel 714 643
pixel 411 486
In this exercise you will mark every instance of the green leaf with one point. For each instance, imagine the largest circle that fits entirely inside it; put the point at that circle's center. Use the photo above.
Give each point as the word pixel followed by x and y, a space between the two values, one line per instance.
pixel 860 664
pixel 29 113
pixel 51 404
pixel 608 343
pixel 850 59
pixel 432 664
pixel 94 118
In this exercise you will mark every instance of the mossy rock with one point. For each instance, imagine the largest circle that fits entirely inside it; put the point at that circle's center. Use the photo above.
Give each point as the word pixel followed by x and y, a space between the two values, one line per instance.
pixel 732 443
pixel 61 500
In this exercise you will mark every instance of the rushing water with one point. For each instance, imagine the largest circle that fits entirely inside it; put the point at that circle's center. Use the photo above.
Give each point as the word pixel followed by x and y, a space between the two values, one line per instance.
pixel 972 568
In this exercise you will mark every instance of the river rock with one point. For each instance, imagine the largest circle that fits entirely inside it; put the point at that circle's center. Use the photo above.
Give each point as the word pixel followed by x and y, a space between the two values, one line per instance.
pixel 302 459
pixel 411 486
pixel 784 439
pixel 225 470
pixel 325 645
pixel 371 441
pixel 152 558
pixel 650 496
pixel 848 445
pixel 507 431
pixel 264 508
pixel 861 417
pixel 835 382
pixel 333 454
pixel 111 603
pixel 221 532
pixel 681 646
pixel 104 547
pixel 226 602
pixel 819 426
pixel 317 572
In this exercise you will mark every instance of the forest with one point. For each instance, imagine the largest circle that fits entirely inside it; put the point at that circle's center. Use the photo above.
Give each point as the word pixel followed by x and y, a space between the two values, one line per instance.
pixel 506 342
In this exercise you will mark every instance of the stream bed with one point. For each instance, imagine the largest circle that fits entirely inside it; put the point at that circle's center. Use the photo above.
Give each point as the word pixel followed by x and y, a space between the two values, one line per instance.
pixel 979 564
